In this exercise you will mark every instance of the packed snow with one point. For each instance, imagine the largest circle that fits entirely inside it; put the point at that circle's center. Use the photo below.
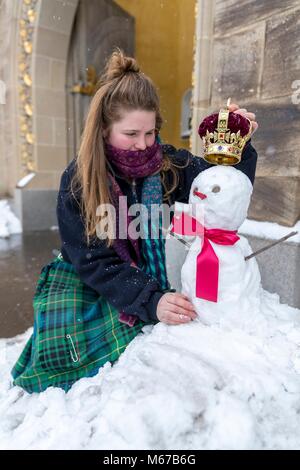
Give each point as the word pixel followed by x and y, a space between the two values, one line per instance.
pixel 175 387
pixel 227 380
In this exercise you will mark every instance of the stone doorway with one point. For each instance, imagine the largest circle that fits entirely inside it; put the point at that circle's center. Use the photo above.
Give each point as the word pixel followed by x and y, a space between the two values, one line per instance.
pixel 98 27
pixel 68 39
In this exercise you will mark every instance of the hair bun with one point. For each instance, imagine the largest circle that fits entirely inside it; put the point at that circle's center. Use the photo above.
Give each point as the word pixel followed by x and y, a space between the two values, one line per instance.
pixel 119 64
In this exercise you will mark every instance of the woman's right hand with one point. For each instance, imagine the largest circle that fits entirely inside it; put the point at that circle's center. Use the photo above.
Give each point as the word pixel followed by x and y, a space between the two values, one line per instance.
pixel 175 308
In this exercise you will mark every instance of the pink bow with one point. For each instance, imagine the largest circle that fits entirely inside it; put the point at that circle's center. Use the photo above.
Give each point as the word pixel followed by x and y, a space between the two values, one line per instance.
pixel 207 275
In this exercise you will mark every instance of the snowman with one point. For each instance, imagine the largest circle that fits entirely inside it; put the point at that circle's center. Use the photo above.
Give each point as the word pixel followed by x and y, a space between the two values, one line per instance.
pixel 223 285
pixel 224 194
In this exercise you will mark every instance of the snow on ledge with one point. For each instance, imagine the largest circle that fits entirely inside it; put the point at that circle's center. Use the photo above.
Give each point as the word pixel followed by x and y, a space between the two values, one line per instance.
pixel 9 223
pixel 269 230
pixel 25 180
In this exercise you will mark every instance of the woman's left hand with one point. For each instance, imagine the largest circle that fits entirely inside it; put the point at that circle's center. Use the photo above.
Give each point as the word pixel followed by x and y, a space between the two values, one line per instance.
pixel 244 112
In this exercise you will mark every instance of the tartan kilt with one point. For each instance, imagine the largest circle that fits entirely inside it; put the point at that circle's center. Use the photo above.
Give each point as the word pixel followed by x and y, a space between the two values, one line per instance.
pixel 75 332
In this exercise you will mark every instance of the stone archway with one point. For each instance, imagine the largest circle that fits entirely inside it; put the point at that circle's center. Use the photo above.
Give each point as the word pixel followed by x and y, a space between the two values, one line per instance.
pixel 98 28
pixel 44 31
pixel 45 143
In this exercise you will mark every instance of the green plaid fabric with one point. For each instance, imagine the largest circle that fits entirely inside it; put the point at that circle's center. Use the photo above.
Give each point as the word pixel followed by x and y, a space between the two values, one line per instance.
pixel 76 332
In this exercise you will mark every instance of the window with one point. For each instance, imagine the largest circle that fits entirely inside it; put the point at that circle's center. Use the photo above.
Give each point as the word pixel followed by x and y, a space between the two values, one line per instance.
pixel 186 114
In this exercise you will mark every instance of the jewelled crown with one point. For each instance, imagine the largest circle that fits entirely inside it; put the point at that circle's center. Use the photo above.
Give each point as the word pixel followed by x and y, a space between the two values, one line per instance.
pixel 224 136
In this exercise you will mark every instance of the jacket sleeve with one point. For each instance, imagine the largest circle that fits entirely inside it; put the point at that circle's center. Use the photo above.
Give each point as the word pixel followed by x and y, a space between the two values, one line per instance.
pixel 194 165
pixel 125 287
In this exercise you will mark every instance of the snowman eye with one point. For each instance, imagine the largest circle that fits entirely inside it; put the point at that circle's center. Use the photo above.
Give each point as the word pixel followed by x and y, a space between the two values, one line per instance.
pixel 216 189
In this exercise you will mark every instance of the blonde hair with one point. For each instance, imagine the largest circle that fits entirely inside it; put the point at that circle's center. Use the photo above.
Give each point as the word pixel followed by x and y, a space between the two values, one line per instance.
pixel 121 87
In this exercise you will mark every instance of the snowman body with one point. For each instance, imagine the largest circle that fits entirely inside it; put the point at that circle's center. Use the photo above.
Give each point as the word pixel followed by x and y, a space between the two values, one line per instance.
pixel 227 194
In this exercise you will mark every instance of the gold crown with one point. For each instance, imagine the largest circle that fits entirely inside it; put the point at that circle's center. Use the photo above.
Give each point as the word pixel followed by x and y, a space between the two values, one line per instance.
pixel 223 147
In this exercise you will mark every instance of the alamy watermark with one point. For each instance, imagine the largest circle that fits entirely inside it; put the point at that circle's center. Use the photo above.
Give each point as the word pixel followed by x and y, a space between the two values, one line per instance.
pixel 142 222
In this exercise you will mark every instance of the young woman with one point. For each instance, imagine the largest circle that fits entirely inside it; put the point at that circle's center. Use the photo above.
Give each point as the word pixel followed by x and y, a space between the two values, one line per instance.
pixel 97 295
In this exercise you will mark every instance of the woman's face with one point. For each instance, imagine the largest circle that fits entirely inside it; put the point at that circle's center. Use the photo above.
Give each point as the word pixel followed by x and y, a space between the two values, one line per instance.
pixel 134 131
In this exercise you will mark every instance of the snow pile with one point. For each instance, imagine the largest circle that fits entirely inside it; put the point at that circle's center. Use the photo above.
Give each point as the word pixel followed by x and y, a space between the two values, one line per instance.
pixel 228 380
pixel 9 223
pixel 175 387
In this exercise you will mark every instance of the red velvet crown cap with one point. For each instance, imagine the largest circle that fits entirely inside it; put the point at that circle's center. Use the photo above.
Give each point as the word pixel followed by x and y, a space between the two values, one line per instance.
pixel 236 123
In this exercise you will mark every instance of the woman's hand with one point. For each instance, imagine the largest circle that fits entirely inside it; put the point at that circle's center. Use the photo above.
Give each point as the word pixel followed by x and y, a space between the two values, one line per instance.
pixel 251 116
pixel 175 308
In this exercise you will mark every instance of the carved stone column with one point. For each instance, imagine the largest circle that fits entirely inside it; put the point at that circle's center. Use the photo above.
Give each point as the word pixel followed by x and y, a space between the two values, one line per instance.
pixel 249 50
pixel 9 144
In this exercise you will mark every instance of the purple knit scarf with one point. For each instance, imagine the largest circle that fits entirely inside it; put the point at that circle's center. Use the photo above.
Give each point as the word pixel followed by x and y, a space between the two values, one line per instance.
pixel 131 164
pixel 135 163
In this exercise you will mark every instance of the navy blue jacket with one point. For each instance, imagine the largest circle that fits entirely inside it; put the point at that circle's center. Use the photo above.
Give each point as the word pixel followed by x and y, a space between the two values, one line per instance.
pixel 125 287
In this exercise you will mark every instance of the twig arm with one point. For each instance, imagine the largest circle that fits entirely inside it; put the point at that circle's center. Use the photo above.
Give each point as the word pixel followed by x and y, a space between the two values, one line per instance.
pixel 291 234
pixel 184 242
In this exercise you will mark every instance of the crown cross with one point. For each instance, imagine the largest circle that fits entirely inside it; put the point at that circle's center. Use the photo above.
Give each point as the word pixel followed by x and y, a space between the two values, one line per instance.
pixel 223 147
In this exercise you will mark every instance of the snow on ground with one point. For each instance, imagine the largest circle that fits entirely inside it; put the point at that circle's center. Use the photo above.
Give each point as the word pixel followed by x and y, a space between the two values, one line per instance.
pixel 269 230
pixel 175 387
pixel 9 223
pixel 232 384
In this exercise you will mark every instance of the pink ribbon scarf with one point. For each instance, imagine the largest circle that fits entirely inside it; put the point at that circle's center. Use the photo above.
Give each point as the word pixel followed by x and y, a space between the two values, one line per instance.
pixel 207 273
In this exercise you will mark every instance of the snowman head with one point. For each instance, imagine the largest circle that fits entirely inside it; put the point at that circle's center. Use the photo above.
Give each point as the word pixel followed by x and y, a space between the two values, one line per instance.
pixel 225 194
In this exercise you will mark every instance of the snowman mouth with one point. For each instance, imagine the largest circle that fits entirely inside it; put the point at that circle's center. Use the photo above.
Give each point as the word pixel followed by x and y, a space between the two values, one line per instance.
pixel 199 194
